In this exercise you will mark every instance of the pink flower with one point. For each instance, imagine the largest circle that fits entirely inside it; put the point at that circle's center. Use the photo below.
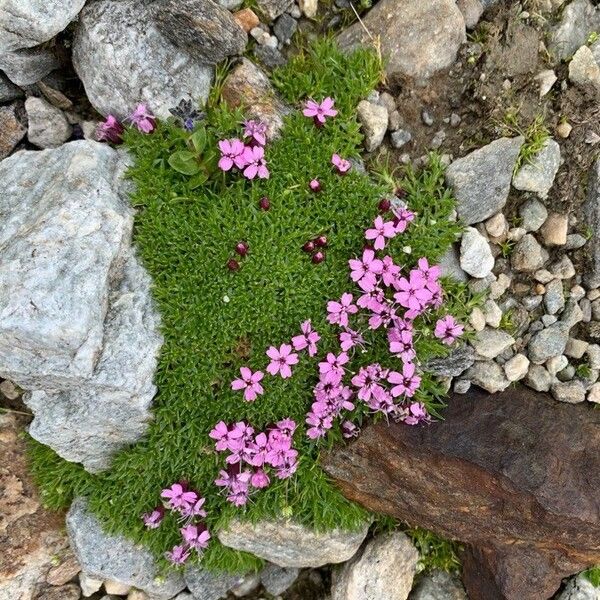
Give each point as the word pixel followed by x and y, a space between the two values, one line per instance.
pixel 315 185
pixel 319 426
pixel 320 112
pixel 260 479
pixel 341 165
pixel 153 519
pixel 373 300
pixel 332 369
pixel 281 360
pixel 142 118
pixel 402 217
pixel 412 293
pixel 431 274
pixel 256 131
pixel 383 314
pixel 195 510
pixel 416 414
pixel 349 339
pixel 232 152
pixel 367 380
pixel 448 330
pixel 381 230
pixel 349 429
pixel 178 555
pixel 195 536
pixel 389 271
pixel 308 339
pixel 401 344
pixel 255 163
pixel 178 497
pixel 339 311
pixel 286 427
pixel 405 383
pixel 250 383
pixel 365 270
pixel 110 131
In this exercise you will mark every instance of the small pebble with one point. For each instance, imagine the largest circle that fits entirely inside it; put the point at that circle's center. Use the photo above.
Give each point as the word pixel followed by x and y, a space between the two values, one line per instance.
pixel 427 118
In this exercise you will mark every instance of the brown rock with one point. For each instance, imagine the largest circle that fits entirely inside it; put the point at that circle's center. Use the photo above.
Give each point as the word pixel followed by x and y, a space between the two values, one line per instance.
pixel 30 537
pixel 554 230
pixel 64 592
pixel 65 571
pixel 12 130
pixel 246 19
pixel 516 476
pixel 248 86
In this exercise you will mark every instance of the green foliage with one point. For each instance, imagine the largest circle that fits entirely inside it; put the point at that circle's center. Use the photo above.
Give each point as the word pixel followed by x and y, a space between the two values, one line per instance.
pixel 436 552
pixel 215 320
pixel 593 575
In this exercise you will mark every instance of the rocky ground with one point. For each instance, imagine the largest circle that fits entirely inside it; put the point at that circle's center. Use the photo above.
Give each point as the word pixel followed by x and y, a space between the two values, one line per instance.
pixel 509 97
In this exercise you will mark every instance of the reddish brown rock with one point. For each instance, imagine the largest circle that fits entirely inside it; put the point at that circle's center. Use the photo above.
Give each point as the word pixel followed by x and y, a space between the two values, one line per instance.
pixel 516 476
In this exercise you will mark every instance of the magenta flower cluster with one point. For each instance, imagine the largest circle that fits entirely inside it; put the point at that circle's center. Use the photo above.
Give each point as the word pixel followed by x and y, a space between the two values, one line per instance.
pixel 247 156
pixel 252 456
pixel 111 130
pixel 188 506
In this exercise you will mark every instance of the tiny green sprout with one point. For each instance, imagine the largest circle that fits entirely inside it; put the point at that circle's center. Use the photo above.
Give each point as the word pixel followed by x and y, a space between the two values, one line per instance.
pixel 592 38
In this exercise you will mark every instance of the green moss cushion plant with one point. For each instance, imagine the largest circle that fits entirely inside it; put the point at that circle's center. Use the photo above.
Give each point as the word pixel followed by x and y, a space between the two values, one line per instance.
pixel 233 277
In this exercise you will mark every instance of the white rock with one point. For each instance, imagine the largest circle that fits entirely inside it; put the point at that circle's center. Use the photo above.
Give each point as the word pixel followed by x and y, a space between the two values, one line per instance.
pixel 384 569
pixel 28 23
pixel 556 364
pixel 539 379
pixel 48 126
pixel 499 287
pixel 594 393
pixel 309 8
pixel 546 79
pixel 111 41
pixel 116 587
pixel 583 68
pixel 477 319
pixel 572 392
pixel 538 175
pixel 374 121
pixel 488 375
pixel 489 343
pixel 89 585
pixel 476 257
pixel 579 588
pixel 493 313
pixel 516 367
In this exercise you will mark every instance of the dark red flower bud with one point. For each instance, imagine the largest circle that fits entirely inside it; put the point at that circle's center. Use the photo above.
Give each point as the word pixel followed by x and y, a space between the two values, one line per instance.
pixel 241 248
pixel 318 257
pixel 321 241
pixel 384 205
pixel 233 265
pixel 309 247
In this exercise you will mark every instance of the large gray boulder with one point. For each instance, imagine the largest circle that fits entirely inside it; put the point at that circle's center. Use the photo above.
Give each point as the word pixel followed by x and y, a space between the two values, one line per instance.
pixel 116 558
pixel 290 544
pixel 29 65
pixel 578 20
pixel 77 325
pixel 417 38
pixel 123 59
pixel 481 180
pixel 27 23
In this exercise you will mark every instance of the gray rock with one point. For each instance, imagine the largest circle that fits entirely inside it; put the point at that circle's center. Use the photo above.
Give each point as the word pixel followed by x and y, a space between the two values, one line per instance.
pixel 488 375
pixel 538 175
pixel 450 264
pixel 246 585
pixel 572 314
pixel 203 28
pixel 476 257
pixel 575 241
pixel 418 38
pixel 462 386
pixel 427 118
pixel 471 10
pixel 548 343
pixel 111 37
pixel 528 255
pixel 578 20
pixel 562 268
pixel 438 139
pixel 269 57
pixel 400 138
pixel 374 121
pixel 576 348
pixel 583 69
pixel 489 343
pixel 516 368
pixel 271 9
pixel 533 214
pixel 88 584
pixel 48 126
pixel 538 378
pixel 248 86
pixel 572 392
pixel 104 556
pixel 28 66
pixel 453 365
pixel 545 79
pixel 384 569
pixel 591 209
pixel 12 131
pixel 276 580
pixel 27 23
pixel 205 585
pixel 8 90
pixel 285 27
pixel 289 544
pixel 579 588
pixel 554 298
pixel 438 585
pixel 481 180
pixel 231 5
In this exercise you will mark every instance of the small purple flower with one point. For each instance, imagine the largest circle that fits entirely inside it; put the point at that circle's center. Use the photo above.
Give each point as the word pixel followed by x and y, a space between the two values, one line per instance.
pixel 250 383
pixel 195 536
pixel 308 339
pixel 319 111
pixel 315 185
pixel 154 518
pixel 256 132
pixel 254 159
pixel 178 555
pixel 232 154
pixel 448 330
pixel 342 166
pixel 187 114
pixel 142 118
pixel 110 131
pixel 381 231
pixel 282 360
pixel 405 383
pixel 339 311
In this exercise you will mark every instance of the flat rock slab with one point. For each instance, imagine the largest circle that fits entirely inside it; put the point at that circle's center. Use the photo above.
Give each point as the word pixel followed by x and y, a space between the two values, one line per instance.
pixel 515 475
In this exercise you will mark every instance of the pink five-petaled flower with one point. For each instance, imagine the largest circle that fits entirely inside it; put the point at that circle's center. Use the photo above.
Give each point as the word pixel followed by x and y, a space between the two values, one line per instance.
pixel 349 429
pixel 178 555
pixel 416 414
pixel 431 274
pixel 178 497
pixel 256 131
pixel 308 339
pixel 412 293
pixel 281 360
pixel 195 510
pixel 195 536
pixel 319 111
pixel 402 217
pixel 142 118
pixel 153 519
pixel 390 271
pixel 110 131
pixel 365 270
pixel 342 166
pixel 448 330
pixel 405 383
pixel 339 311
pixel 254 159
pixel 380 231
pixel 350 338
pixel 401 344
pixel 232 152
pixel 250 383
pixel 260 479
pixel 332 368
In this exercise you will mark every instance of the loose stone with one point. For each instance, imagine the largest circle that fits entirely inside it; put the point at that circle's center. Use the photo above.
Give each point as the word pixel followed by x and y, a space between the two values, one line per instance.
pixel 554 230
